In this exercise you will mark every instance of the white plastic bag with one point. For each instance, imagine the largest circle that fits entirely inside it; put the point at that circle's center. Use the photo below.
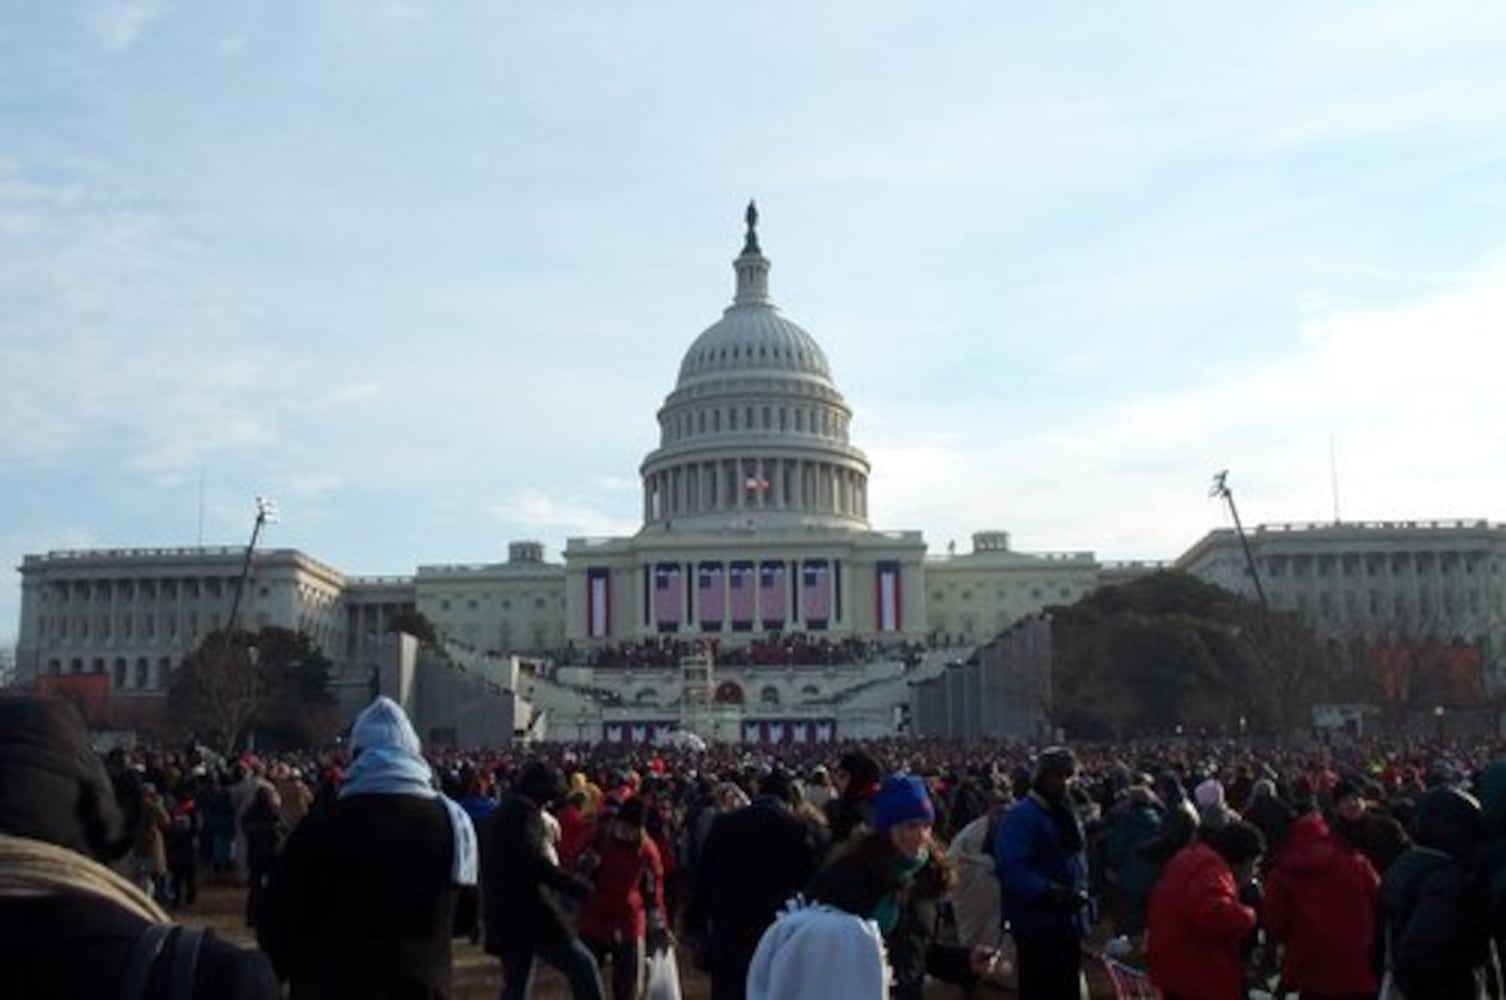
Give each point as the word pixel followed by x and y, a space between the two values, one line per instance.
pixel 663 976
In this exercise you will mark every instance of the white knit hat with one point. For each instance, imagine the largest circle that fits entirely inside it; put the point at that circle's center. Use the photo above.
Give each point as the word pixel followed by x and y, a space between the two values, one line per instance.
pixel 808 949
pixel 384 724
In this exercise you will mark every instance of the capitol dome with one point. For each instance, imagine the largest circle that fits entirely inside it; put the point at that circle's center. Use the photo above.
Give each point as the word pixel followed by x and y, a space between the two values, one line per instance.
pixel 755 431
pixel 753 336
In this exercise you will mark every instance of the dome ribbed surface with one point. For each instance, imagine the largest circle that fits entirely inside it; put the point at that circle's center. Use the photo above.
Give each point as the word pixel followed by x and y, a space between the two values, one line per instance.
pixel 751 338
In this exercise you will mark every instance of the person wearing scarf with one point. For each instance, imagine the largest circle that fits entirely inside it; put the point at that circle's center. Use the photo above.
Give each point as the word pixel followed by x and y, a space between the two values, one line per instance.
pixel 895 875
pixel 857 782
pixel 1043 877
pixel 69 925
pixel 362 898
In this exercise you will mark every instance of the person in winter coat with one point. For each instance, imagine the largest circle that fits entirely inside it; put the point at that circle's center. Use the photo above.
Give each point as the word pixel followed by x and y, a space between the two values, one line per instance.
pixel 361 900
pixel 1320 901
pixel 149 855
pixel 753 860
pixel 856 780
pixel 1271 815
pixel 575 828
pixel 262 828
pixel 1490 869
pixel 1043 875
pixel 975 901
pixel 622 919
pixel 1131 876
pixel 523 918
pixel 183 829
pixel 1179 821
pixel 1430 934
pixel 69 925
pixel 895 875
pixel 1379 837
pixel 1197 923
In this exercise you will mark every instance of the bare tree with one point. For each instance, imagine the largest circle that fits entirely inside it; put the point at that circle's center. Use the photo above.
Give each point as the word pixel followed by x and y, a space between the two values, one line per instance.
pixel 214 691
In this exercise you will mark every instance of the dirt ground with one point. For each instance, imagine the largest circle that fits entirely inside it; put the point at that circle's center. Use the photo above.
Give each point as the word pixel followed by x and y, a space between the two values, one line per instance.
pixel 478 976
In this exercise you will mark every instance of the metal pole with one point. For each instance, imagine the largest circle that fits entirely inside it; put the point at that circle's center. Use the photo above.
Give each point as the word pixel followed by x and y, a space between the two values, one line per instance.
pixel 1221 489
pixel 265 510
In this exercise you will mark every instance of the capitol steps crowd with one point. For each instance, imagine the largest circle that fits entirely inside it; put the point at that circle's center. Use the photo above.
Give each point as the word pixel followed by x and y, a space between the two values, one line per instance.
pixel 1207 870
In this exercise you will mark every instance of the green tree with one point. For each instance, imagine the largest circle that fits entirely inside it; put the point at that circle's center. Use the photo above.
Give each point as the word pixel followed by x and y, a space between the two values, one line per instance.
pixel 1168 650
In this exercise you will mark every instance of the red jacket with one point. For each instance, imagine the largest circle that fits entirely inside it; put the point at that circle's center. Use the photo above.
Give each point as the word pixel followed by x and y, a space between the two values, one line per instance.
pixel 627 882
pixel 1320 902
pixel 1196 926
pixel 575 834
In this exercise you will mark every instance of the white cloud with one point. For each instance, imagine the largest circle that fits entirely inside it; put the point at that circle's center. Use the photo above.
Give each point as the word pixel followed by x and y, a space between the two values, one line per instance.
pixel 119 24
pixel 567 516
pixel 1409 393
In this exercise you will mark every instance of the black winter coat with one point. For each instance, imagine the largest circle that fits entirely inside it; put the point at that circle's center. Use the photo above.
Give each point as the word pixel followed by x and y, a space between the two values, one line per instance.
pixel 753 860
pixel 361 902
pixel 516 874
pixel 858 879
pixel 1438 941
pixel 75 945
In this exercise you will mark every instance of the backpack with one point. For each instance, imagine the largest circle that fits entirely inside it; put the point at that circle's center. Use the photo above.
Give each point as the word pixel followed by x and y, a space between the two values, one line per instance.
pixel 155 943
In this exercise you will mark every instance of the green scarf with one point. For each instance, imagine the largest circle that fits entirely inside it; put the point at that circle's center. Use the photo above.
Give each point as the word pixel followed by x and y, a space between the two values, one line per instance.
pixel 886 914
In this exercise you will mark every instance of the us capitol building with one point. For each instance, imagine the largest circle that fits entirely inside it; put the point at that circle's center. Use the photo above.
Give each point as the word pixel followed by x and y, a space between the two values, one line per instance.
pixel 756 596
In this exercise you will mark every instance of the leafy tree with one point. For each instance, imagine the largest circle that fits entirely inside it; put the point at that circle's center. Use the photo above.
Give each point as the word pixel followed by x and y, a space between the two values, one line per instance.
pixel 1168 649
pixel 274 683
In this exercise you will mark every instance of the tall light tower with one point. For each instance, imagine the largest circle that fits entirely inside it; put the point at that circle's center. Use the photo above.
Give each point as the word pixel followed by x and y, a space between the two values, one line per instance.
pixel 266 512
pixel 1220 490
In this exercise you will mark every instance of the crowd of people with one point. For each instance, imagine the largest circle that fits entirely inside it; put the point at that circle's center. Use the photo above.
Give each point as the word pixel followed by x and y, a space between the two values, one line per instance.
pixel 1216 866
pixel 777 649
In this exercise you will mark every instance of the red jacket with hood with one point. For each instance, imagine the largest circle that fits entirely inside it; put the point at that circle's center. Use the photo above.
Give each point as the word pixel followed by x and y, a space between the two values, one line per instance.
pixel 1196 926
pixel 1320 902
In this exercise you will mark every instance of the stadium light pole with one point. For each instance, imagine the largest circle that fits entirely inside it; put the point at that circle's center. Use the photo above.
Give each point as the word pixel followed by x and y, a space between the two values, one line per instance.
pixel 1220 490
pixel 266 511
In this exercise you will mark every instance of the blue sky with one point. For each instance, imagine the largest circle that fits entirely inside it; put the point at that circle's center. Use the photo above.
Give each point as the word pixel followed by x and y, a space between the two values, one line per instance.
pixel 424 271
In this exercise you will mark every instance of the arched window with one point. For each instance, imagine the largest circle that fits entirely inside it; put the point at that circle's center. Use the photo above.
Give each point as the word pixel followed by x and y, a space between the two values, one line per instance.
pixel 120 674
pixel 769 695
pixel 143 674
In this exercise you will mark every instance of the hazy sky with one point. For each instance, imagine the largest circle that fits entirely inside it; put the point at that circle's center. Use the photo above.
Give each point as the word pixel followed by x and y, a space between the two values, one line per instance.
pixel 424 271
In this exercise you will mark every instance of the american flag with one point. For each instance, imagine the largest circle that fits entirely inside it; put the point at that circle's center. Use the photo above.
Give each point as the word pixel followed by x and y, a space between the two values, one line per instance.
pixel 772 594
pixel 667 594
pixel 740 592
pixel 712 592
pixel 815 590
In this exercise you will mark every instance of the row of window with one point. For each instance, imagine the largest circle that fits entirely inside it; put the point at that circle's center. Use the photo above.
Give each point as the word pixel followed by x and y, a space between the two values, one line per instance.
pixel 1415 564
pixel 474 604
pixel 123 674
pixel 1376 603
pixel 1037 593
pixel 712 420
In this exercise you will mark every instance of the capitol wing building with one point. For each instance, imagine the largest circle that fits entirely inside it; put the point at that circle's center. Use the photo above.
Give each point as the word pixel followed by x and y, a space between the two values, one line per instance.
pixel 755 603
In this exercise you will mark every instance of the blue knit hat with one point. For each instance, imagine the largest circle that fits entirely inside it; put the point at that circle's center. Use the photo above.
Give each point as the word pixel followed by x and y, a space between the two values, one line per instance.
pixel 901 798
